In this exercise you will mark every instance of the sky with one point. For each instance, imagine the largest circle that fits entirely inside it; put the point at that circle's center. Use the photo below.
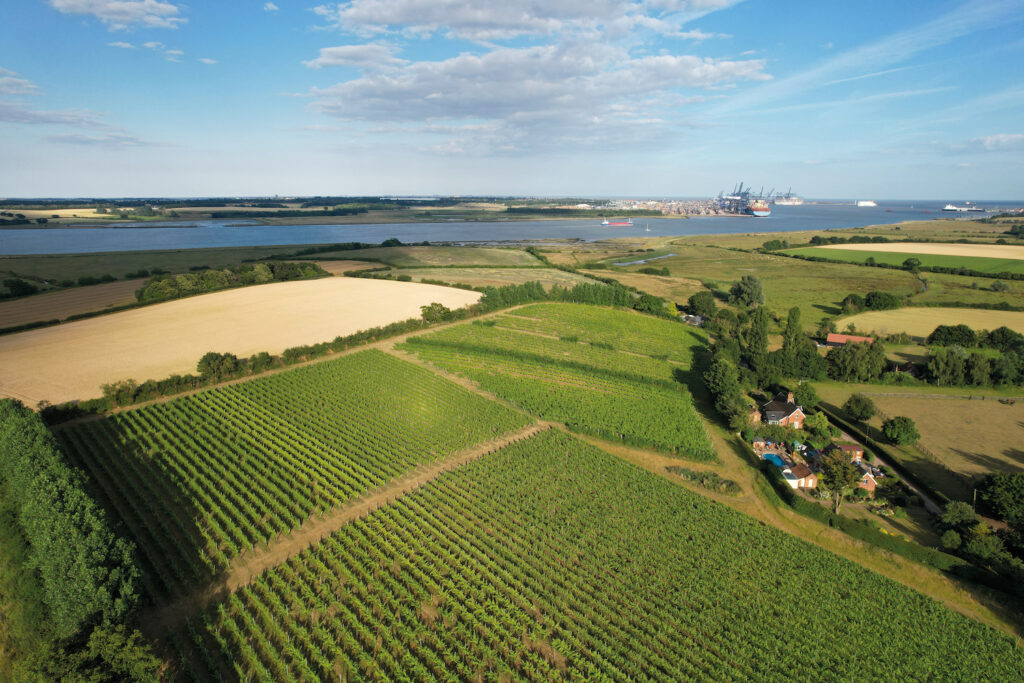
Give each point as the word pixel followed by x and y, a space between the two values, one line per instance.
pixel 594 98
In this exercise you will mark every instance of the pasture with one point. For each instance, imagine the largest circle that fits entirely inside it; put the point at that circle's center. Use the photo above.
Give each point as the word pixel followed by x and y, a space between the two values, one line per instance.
pixel 60 304
pixel 495 277
pixel 552 560
pixel 415 257
pixel 922 320
pixel 984 258
pixel 72 361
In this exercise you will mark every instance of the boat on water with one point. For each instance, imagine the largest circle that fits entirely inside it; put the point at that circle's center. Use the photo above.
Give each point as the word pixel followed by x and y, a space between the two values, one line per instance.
pixel 866 202
pixel 628 221
pixel 759 208
pixel 968 206
pixel 788 199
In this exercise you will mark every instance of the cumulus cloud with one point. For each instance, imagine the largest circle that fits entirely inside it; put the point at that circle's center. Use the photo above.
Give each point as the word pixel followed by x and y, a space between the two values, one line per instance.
pixel 154 45
pixel 1000 141
pixel 12 84
pixel 116 140
pixel 270 7
pixel 121 44
pixel 571 93
pixel 365 56
pixel 207 60
pixel 487 20
pixel 119 15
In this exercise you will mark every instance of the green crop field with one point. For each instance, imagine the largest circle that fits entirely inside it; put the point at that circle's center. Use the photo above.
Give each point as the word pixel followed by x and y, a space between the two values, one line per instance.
pixel 416 257
pixel 551 560
pixel 980 264
pixel 200 479
pixel 608 393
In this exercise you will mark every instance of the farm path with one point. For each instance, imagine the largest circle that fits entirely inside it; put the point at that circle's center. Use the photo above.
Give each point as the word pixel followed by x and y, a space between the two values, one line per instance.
pixel 249 565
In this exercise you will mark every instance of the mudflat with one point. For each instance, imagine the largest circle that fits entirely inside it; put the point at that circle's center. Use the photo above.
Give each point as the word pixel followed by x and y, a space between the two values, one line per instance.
pixel 73 360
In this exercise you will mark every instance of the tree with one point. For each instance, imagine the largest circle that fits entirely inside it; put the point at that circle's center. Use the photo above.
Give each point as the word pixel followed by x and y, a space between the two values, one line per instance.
pixel 774 245
pixel 702 303
pixel 805 395
pixel 18 287
pixel 951 540
pixel 435 312
pixel 900 430
pixel 958 516
pixel 952 335
pixel 722 380
pixel 791 340
pixel 1000 286
pixel 747 291
pixel 882 301
pixel 853 303
pixel 912 264
pixel 859 407
pixel 837 475
pixel 648 303
pixel 1003 494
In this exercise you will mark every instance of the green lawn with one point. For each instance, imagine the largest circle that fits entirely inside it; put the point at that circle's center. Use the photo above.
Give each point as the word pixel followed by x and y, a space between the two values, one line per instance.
pixel 978 263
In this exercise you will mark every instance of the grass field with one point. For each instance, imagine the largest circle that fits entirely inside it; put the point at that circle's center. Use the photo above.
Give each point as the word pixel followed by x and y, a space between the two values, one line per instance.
pixel 200 479
pixel 817 289
pixel 496 277
pixel 60 304
pixel 921 321
pixel 972 259
pixel 412 257
pixel 962 438
pixel 551 560
pixel 72 361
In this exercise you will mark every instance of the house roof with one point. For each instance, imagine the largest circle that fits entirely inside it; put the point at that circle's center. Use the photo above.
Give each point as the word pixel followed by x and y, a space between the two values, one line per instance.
pixel 800 470
pixel 779 407
pixel 851 448
pixel 834 338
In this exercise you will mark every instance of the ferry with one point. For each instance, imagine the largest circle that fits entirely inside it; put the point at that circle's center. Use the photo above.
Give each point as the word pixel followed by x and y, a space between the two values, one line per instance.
pixel 968 206
pixel 788 199
pixel 628 221
pixel 866 202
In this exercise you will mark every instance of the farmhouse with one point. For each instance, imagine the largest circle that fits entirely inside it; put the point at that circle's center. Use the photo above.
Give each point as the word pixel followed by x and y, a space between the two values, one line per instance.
pixel 834 339
pixel 854 451
pixel 782 410
pixel 867 480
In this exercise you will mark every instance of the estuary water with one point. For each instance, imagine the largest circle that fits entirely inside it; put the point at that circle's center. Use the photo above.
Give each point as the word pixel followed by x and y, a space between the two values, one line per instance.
pixel 235 233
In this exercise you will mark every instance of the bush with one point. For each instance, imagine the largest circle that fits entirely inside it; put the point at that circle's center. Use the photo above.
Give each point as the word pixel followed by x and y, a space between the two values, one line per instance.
pixel 859 407
pixel 901 431
pixel 882 301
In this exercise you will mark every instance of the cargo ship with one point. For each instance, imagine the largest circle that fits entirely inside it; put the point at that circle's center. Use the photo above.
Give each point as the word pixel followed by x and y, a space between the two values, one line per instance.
pixel 628 221
pixel 788 199
pixel 744 202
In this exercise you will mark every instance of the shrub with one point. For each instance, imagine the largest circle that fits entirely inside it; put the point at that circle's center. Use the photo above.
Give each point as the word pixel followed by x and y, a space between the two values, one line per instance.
pixel 901 431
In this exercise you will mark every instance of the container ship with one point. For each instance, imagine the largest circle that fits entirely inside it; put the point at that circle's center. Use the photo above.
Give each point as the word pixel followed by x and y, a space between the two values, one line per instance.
pixel 744 201
pixel 628 221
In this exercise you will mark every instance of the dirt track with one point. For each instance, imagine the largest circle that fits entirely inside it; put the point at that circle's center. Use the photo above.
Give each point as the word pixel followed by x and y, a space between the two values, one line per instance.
pixel 1001 251
pixel 73 360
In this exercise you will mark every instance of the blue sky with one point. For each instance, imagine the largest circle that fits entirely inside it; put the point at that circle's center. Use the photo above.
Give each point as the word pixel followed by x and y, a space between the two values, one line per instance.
pixel 542 97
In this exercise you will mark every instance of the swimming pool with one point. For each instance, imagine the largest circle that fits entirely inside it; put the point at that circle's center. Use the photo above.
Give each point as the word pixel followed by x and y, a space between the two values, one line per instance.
pixel 774 459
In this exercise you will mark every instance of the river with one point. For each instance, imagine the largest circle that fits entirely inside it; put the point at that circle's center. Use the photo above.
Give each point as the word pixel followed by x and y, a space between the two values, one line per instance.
pixel 234 233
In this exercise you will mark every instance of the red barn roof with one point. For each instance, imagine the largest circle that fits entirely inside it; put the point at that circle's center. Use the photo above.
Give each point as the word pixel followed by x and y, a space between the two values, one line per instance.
pixel 842 339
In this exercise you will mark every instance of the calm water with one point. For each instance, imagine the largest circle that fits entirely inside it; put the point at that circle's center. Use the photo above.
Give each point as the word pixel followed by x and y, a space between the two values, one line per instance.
pixel 228 233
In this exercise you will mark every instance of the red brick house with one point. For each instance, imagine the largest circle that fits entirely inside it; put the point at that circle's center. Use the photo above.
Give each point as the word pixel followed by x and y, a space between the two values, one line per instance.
pixel 867 481
pixel 800 476
pixel 834 339
pixel 782 410
pixel 854 452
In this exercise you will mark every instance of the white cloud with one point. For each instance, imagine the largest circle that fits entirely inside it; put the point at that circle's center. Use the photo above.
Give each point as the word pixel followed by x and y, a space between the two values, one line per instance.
pixel 576 94
pixel 270 7
pixel 121 44
pixel 488 20
pixel 12 84
pixel 174 53
pixel 154 45
pixel 18 113
pixel 123 14
pixel 114 140
pixel 1001 141
pixel 207 60
pixel 365 56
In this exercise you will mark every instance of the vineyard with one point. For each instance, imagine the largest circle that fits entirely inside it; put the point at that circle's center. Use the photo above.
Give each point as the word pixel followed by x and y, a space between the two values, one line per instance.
pixel 618 329
pixel 553 560
pixel 201 479
pixel 610 393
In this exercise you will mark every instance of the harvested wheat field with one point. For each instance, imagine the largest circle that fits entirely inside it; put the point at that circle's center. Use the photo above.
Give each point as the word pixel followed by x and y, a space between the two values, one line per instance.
pixel 60 304
pixel 920 322
pixel 73 361
pixel 1000 251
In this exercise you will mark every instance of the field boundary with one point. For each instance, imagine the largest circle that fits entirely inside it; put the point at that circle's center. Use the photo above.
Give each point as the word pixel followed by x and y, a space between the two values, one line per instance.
pixel 247 566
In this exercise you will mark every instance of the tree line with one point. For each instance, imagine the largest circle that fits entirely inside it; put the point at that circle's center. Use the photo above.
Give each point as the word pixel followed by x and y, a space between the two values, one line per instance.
pixel 166 287
pixel 76 580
